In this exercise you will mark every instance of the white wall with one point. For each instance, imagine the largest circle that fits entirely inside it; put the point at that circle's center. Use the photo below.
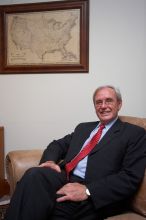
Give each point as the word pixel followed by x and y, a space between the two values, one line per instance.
pixel 36 108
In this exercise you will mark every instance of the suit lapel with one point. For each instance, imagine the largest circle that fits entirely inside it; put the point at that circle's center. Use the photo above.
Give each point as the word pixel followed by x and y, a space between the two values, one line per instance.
pixel 111 133
pixel 84 134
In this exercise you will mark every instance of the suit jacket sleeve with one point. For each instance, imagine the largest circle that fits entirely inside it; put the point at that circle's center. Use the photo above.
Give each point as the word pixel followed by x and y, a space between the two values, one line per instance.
pixel 69 144
pixel 57 149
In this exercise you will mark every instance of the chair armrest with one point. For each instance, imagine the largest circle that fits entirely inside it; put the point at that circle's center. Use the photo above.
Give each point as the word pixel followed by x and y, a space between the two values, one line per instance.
pixel 17 162
pixel 139 201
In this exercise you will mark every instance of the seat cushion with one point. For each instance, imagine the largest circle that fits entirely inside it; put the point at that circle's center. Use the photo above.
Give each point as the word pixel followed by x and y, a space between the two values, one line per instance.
pixel 127 216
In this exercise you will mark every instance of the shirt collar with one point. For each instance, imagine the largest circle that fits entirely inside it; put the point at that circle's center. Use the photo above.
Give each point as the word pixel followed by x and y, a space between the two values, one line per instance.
pixel 110 123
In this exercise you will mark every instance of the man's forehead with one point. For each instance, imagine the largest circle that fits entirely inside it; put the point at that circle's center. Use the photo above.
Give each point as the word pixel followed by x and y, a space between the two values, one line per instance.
pixel 105 92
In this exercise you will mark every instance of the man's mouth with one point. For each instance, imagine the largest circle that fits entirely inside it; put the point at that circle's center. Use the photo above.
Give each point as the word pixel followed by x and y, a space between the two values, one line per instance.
pixel 105 113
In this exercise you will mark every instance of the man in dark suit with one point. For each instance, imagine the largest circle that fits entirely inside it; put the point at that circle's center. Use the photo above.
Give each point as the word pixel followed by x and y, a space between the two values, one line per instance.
pixel 100 185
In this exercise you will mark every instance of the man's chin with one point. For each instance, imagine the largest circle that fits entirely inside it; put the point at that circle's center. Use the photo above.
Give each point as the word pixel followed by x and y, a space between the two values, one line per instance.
pixel 105 118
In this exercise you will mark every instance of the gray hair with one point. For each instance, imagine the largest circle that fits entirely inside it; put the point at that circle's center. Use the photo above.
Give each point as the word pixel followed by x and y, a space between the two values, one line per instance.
pixel 117 91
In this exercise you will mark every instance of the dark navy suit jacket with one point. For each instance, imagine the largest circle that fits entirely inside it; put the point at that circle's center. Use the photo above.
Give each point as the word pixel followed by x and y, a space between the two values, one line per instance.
pixel 115 166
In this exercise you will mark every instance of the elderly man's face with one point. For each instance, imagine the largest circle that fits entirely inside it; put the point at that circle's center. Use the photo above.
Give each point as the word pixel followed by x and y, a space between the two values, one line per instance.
pixel 106 105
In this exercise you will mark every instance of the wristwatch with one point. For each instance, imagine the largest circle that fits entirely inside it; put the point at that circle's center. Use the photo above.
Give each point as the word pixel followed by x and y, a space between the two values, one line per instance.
pixel 87 192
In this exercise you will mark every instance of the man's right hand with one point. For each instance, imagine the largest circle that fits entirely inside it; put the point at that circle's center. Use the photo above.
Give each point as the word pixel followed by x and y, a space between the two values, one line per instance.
pixel 52 165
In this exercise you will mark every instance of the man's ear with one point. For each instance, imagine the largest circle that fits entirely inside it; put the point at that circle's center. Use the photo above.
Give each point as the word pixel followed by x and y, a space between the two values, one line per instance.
pixel 119 105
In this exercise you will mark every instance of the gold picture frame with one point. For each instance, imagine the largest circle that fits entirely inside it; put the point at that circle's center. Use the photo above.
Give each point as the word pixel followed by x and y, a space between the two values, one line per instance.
pixel 48 37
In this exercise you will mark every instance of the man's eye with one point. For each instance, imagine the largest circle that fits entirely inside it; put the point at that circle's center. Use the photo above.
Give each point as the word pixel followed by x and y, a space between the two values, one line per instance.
pixel 105 102
pixel 109 101
pixel 98 102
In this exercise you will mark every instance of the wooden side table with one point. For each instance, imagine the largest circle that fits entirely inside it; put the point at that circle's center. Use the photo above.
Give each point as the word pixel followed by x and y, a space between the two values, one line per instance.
pixel 2 173
pixel 4 186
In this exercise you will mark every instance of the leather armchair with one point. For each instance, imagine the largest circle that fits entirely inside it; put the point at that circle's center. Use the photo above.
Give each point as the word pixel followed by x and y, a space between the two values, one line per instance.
pixel 17 162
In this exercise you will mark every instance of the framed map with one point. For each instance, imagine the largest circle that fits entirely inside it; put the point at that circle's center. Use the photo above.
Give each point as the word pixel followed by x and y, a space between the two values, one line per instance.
pixel 48 37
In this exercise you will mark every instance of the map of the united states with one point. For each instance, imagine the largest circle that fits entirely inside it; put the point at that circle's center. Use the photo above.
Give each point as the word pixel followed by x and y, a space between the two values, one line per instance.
pixel 45 38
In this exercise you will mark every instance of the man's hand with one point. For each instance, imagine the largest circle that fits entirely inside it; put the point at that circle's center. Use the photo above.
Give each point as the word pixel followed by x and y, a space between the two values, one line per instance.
pixel 73 192
pixel 52 165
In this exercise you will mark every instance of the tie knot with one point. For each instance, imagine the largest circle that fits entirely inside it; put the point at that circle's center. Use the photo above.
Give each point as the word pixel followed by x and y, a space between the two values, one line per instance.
pixel 101 126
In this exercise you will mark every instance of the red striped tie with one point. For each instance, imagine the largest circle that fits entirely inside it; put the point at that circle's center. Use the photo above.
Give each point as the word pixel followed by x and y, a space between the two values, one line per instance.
pixel 84 152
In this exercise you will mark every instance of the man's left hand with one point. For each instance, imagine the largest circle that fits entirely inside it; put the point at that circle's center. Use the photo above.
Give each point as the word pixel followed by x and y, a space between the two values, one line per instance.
pixel 72 191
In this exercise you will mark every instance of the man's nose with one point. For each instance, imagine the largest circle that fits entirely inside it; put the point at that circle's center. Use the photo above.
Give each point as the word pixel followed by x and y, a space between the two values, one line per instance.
pixel 103 104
